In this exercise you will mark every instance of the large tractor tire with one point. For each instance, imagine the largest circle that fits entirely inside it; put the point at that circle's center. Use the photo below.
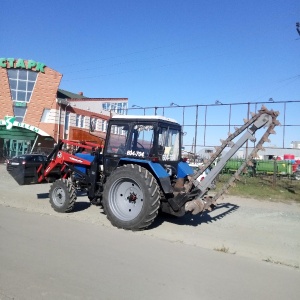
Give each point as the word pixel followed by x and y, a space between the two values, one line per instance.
pixel 131 197
pixel 62 195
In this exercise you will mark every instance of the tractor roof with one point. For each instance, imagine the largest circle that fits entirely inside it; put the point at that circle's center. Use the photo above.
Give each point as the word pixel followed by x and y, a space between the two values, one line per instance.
pixel 146 118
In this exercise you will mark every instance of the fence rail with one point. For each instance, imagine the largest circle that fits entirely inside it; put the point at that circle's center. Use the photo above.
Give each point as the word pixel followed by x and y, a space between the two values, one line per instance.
pixel 205 124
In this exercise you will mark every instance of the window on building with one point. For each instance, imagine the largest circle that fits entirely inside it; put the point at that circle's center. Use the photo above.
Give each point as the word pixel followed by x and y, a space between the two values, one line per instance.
pixel 118 107
pixel 67 119
pixel 19 113
pixel 113 128
pixel 21 84
pixel 45 115
pixel 93 123
pixel 99 124
pixel 82 121
pixel 104 126
pixel 78 117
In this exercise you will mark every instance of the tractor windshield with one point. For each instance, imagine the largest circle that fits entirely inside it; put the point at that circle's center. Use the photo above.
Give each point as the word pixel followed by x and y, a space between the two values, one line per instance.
pixel 144 140
pixel 141 140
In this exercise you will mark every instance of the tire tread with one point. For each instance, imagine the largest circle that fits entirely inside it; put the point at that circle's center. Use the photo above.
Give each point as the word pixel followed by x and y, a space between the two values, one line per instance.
pixel 152 204
pixel 70 196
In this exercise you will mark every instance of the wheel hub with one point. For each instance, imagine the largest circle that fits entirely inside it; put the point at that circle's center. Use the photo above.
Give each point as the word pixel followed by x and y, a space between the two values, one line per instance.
pixel 132 197
pixel 126 199
pixel 59 196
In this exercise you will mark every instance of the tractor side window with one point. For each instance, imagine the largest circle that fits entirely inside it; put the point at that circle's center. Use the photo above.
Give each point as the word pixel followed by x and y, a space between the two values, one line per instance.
pixel 168 144
pixel 117 139
pixel 141 140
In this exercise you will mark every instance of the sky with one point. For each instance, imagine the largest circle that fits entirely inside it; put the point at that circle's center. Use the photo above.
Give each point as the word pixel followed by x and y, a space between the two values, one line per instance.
pixel 158 52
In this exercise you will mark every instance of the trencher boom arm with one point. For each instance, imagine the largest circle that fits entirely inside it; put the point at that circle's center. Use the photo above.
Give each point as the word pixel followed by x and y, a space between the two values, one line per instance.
pixel 264 118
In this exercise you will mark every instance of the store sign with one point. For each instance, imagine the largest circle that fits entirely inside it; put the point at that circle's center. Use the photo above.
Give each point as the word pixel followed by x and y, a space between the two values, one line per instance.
pixel 20 64
pixel 11 122
pixel 20 104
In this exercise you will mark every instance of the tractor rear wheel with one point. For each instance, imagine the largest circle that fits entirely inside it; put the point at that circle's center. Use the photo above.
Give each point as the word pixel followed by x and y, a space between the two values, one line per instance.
pixel 62 195
pixel 131 197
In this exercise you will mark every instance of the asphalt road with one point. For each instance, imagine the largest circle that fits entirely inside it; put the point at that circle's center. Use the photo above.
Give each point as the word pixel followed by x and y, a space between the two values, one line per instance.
pixel 46 255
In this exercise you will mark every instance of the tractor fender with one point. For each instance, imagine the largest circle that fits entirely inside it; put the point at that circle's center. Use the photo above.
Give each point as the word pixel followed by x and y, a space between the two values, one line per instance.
pixel 156 169
pixel 184 169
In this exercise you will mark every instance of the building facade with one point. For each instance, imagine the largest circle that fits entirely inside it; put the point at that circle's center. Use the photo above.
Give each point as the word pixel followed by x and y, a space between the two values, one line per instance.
pixel 35 113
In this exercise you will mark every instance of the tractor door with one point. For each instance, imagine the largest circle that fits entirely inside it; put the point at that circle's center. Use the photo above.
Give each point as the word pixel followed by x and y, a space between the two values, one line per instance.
pixel 168 146
pixel 115 145
pixel 132 140
pixel 169 143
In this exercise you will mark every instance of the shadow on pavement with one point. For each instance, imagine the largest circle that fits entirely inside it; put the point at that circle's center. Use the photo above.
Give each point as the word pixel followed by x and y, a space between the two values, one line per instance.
pixel 78 206
pixel 42 196
pixel 191 220
pixel 46 195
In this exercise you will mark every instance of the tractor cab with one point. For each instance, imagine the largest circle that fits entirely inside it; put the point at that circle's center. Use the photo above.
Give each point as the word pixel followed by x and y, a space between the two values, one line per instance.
pixel 141 139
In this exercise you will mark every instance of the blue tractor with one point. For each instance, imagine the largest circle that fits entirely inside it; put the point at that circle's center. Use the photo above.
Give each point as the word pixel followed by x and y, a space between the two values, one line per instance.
pixel 140 170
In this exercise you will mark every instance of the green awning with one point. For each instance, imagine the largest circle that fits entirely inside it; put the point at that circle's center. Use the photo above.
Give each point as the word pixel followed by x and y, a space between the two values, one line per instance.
pixel 16 133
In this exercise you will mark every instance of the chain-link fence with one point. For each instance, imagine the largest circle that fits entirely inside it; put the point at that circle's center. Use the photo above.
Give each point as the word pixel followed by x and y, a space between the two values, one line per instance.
pixel 205 124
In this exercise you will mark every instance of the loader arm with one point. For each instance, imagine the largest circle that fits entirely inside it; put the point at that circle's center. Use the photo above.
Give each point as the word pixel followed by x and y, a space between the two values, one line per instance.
pixel 59 158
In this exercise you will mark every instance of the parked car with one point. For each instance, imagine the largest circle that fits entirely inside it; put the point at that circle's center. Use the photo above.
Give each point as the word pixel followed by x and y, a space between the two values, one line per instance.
pixel 196 168
pixel 23 167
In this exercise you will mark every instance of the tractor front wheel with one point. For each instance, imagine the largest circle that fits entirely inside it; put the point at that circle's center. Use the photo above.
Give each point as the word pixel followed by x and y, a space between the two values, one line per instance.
pixel 131 197
pixel 62 195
